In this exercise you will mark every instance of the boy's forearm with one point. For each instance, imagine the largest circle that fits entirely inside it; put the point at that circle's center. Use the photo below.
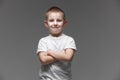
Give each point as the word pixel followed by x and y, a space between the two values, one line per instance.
pixel 62 55
pixel 46 59
pixel 49 59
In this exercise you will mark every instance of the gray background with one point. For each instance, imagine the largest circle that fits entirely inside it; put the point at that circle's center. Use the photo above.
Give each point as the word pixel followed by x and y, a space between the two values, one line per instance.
pixel 94 24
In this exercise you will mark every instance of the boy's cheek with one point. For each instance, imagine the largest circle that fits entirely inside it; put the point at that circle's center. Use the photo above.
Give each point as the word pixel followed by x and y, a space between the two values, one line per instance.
pixel 61 23
pixel 50 24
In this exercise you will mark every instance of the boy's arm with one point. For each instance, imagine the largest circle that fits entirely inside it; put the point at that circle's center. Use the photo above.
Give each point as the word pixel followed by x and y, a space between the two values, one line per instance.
pixel 46 59
pixel 65 55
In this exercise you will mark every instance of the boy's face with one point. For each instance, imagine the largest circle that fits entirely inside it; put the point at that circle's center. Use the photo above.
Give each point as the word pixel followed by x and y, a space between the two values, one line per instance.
pixel 55 23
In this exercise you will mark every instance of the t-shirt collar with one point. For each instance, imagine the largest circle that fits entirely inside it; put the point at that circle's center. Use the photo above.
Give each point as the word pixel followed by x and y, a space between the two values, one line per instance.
pixel 59 37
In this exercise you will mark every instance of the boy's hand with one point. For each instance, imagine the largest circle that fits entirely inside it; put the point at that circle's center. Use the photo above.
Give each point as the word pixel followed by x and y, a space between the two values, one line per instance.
pixel 65 55
pixel 50 52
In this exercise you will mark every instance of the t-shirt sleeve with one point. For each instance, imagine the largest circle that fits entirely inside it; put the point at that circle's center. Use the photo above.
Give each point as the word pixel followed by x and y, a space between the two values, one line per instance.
pixel 41 46
pixel 70 43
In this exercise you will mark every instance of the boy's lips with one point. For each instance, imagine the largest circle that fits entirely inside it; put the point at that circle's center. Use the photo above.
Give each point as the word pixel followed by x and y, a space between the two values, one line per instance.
pixel 55 29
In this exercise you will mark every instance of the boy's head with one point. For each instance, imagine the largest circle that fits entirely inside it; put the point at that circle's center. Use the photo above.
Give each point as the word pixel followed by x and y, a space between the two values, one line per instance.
pixel 55 20
pixel 55 9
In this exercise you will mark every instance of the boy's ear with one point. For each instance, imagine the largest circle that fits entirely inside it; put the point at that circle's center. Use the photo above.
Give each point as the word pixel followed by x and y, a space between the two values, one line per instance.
pixel 65 22
pixel 45 23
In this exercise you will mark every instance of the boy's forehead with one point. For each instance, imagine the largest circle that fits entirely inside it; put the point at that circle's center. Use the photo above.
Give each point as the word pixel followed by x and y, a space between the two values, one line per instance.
pixel 53 13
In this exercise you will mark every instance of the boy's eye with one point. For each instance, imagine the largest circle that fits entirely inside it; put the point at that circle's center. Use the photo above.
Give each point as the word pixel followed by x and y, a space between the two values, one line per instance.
pixel 51 20
pixel 59 20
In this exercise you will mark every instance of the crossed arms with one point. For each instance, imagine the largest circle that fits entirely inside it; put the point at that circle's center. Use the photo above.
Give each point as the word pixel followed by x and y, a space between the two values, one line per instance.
pixel 52 56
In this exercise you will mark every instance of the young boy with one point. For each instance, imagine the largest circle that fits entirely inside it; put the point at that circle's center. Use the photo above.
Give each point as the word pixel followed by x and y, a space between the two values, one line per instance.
pixel 56 50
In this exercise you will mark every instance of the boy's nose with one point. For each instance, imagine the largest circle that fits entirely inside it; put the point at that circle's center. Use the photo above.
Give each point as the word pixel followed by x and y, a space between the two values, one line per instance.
pixel 55 22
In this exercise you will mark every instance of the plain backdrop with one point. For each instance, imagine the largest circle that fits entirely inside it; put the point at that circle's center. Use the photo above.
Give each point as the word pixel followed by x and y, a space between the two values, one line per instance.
pixel 94 24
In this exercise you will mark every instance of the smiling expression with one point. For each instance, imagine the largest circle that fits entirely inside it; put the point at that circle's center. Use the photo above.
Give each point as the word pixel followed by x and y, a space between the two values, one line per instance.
pixel 55 23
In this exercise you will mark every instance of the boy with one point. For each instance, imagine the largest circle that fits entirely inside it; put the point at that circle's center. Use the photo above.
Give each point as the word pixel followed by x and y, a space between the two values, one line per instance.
pixel 56 50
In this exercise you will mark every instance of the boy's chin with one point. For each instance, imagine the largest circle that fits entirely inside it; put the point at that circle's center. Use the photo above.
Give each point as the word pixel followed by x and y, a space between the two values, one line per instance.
pixel 56 35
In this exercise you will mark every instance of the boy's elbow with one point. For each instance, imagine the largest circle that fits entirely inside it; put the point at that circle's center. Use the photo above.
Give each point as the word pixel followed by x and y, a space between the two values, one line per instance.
pixel 69 54
pixel 68 59
pixel 43 61
pixel 42 58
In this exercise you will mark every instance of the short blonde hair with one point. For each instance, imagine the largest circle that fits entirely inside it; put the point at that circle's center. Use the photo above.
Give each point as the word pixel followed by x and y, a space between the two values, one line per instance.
pixel 55 9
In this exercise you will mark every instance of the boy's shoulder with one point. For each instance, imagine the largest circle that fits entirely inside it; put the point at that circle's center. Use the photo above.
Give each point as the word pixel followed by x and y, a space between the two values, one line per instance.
pixel 45 38
pixel 69 37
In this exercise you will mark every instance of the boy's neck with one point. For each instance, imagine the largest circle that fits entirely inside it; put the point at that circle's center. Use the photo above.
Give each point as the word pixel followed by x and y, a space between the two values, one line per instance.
pixel 56 35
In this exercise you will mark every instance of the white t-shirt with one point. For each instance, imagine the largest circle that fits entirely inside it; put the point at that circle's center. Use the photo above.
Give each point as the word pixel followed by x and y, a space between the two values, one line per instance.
pixel 59 70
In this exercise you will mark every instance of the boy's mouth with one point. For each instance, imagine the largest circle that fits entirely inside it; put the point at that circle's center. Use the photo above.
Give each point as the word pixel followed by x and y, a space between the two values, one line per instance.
pixel 55 29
